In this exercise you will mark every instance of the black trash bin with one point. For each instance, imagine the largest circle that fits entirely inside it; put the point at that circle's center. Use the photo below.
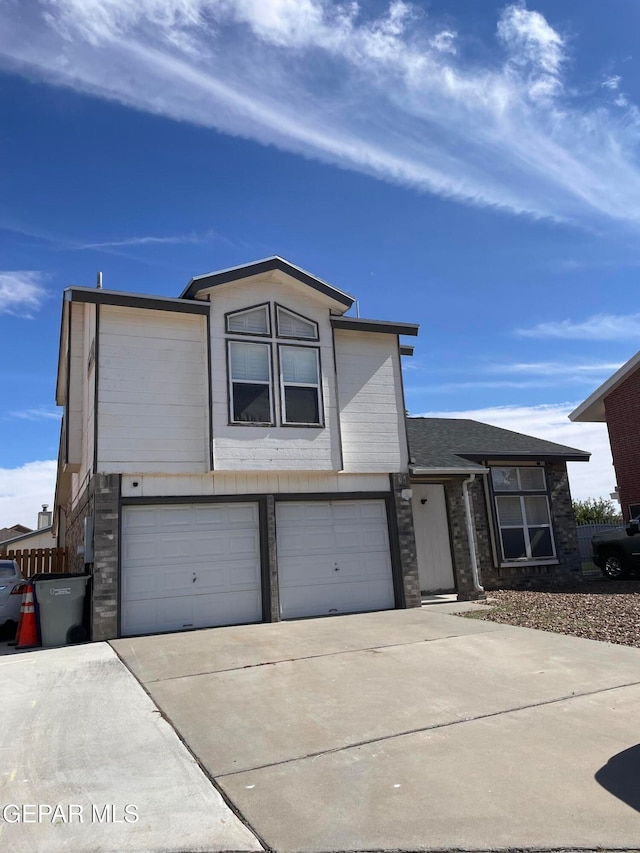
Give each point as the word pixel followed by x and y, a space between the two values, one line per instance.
pixel 60 604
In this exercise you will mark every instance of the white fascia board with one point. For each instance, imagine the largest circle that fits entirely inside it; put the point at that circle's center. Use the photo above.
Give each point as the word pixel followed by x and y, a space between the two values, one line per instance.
pixel 427 472
pixel 592 409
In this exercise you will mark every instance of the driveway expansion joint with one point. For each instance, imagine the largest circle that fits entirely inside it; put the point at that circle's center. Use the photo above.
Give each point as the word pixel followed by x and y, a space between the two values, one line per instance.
pixel 227 800
pixel 435 727
pixel 336 653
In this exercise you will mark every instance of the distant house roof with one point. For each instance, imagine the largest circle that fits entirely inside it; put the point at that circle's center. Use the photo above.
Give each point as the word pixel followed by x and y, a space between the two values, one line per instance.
pixel 457 445
pixel 7 533
pixel 266 265
pixel 592 409
pixel 24 537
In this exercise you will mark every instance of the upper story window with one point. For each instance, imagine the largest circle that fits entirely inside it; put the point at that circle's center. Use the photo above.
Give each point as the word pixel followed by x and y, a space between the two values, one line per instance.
pixel 294 398
pixel 524 520
pixel 250 383
pixel 300 385
pixel 252 321
pixel 292 325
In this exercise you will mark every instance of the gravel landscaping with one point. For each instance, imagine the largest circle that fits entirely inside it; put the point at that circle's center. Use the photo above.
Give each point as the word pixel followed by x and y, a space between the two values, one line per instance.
pixel 597 610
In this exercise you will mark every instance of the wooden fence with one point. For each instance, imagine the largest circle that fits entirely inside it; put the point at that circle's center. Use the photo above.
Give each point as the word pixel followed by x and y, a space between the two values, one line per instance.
pixel 35 560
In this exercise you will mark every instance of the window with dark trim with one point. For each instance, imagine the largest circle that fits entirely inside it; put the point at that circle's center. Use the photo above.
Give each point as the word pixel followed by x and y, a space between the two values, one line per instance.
pixel 292 325
pixel 252 391
pixel 250 321
pixel 300 385
pixel 250 382
pixel 522 513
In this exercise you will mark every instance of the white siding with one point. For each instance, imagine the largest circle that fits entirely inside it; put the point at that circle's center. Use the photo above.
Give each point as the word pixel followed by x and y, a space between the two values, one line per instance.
pixel 370 401
pixel 76 390
pixel 152 396
pixel 240 483
pixel 238 448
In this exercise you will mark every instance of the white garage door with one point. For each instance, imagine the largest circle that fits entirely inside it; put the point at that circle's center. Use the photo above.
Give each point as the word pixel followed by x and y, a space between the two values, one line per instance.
pixel 333 557
pixel 189 566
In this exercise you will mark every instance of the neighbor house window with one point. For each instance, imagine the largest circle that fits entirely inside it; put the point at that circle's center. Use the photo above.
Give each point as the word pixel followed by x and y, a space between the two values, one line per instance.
pixel 300 385
pixel 522 509
pixel 250 382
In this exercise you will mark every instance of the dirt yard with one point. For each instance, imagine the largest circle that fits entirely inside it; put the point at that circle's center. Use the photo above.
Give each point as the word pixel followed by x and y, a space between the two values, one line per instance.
pixel 597 610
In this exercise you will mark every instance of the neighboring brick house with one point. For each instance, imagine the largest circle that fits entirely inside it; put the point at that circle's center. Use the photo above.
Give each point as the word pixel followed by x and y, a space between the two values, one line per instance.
pixel 491 507
pixel 617 403
pixel 237 454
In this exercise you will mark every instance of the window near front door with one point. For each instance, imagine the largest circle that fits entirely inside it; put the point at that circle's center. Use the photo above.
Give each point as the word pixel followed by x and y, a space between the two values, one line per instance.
pixel 524 520
pixel 250 383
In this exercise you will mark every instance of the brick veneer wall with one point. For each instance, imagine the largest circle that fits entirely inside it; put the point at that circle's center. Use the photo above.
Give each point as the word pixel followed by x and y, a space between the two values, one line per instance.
pixel 622 413
pixel 74 531
pixel 105 568
pixel 406 539
pixel 460 553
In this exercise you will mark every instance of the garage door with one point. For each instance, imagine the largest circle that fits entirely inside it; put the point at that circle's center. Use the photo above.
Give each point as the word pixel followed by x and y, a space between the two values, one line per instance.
pixel 189 566
pixel 333 557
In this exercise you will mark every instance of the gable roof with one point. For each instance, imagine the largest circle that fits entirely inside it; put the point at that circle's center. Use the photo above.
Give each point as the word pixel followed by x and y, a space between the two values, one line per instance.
pixel 456 445
pixel 591 410
pixel 212 279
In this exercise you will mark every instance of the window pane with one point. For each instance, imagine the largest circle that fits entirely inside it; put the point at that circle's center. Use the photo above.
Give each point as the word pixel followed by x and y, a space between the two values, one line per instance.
pixel 291 326
pixel 299 364
pixel 249 362
pixel 251 403
pixel 505 479
pixel 301 405
pixel 251 322
pixel 532 479
pixel 509 511
pixel 541 545
pixel 513 546
pixel 536 510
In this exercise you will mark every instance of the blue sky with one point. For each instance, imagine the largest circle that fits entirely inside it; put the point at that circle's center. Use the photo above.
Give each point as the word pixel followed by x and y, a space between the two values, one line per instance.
pixel 473 167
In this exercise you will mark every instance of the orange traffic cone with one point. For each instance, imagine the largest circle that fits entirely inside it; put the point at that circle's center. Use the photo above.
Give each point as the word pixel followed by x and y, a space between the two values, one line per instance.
pixel 27 634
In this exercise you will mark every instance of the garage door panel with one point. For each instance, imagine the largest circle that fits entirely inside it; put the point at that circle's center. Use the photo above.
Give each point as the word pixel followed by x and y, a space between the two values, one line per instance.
pixel 333 557
pixel 178 614
pixel 331 600
pixel 196 565
pixel 307 512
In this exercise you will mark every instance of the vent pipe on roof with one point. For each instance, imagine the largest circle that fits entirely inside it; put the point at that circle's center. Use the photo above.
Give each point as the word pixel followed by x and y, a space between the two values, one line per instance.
pixel 99 281
pixel 45 517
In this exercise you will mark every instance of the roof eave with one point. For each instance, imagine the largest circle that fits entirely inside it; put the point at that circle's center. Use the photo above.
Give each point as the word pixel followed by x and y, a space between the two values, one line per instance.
pixel 274 262
pixel 592 409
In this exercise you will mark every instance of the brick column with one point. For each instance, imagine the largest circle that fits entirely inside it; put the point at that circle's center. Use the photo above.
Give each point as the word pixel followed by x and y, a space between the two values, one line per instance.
pixel 272 561
pixel 406 540
pixel 564 525
pixel 104 613
pixel 460 542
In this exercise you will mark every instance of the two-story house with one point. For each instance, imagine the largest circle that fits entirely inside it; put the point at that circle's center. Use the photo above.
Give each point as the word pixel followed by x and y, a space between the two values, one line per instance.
pixel 234 455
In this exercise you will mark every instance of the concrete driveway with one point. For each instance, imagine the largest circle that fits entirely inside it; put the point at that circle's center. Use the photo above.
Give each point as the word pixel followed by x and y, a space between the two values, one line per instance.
pixel 409 730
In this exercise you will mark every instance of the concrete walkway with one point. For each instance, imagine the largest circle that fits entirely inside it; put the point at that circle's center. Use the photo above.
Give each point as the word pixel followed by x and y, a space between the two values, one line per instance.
pixel 408 730
pixel 77 731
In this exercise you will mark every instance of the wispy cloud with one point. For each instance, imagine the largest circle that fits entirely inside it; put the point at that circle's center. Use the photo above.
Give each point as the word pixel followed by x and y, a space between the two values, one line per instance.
pixel 555 368
pixel 315 77
pixel 22 292
pixel 595 478
pixel 168 240
pixel 612 82
pixel 36 414
pixel 599 327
